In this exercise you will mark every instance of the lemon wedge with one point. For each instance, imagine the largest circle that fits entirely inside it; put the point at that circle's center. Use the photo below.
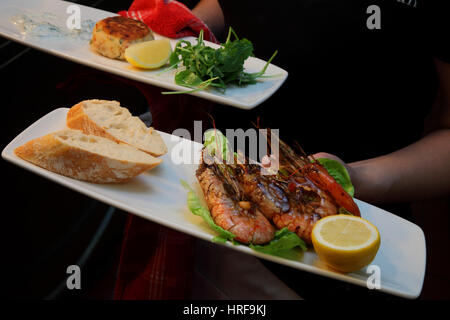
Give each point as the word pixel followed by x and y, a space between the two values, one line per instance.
pixel 149 54
pixel 345 243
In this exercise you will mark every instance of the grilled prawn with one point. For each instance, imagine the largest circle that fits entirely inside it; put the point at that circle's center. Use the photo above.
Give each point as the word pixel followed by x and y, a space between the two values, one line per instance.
pixel 308 204
pixel 268 193
pixel 229 208
pixel 294 203
pixel 313 194
pixel 245 202
pixel 299 168
pixel 296 198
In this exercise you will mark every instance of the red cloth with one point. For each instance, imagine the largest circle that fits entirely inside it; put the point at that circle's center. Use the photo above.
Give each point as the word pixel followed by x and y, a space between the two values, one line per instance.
pixel 168 18
pixel 157 262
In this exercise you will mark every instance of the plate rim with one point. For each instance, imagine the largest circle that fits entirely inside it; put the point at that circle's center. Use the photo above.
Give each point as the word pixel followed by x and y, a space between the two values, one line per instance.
pixel 136 76
pixel 73 184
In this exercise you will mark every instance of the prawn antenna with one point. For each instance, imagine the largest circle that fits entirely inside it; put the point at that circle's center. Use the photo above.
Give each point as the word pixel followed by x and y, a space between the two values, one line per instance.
pixel 299 147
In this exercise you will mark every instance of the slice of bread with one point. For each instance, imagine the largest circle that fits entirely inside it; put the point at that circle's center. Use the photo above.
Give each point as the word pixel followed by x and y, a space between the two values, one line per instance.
pixel 108 119
pixel 86 157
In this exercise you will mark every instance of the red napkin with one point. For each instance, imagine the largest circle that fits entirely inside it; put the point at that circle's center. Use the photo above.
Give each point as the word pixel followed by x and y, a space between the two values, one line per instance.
pixel 168 18
pixel 157 262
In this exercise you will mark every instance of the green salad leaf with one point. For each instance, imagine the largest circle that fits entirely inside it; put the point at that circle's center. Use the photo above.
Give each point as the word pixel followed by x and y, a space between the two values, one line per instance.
pixel 205 66
pixel 196 207
pixel 217 144
pixel 284 244
pixel 339 173
pixel 342 210
pixel 188 79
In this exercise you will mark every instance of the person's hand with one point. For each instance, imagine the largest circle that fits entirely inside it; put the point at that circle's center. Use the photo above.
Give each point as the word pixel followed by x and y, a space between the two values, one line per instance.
pixel 333 157
pixel 350 170
pixel 329 156
pixel 415 172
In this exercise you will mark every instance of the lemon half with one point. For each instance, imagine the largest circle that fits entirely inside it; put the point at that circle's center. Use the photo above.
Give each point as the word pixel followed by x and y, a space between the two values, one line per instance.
pixel 149 54
pixel 346 243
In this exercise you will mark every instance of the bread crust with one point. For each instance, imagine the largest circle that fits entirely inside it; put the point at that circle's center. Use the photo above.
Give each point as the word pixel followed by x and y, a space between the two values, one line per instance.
pixel 79 120
pixel 52 154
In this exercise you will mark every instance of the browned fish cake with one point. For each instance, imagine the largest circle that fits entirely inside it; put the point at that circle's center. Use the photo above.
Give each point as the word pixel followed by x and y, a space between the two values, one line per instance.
pixel 111 36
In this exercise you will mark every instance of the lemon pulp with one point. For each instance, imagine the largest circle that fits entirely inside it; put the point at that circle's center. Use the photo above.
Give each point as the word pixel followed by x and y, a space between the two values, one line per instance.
pixel 345 233
pixel 345 243
pixel 149 54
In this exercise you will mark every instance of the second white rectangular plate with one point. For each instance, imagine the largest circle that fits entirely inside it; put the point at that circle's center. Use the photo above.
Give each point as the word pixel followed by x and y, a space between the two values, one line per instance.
pixel 157 195
pixel 78 50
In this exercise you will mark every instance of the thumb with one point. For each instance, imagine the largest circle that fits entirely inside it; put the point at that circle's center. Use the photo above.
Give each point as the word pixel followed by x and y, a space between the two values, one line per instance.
pixel 329 156
pixel 333 157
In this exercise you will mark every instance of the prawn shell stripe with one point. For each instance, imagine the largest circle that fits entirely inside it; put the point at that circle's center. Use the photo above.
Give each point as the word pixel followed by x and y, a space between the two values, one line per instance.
pixel 249 226
pixel 295 201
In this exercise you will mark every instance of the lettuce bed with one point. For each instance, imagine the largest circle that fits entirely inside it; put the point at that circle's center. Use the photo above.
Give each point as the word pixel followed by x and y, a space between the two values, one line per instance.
pixel 285 244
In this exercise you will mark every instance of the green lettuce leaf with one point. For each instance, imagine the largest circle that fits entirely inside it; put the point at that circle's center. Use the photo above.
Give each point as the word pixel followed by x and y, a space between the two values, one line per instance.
pixel 196 207
pixel 285 244
pixel 339 173
pixel 217 143
pixel 342 210
pixel 188 78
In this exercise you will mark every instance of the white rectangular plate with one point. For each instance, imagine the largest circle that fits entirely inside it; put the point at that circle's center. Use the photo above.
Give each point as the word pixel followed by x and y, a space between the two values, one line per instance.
pixel 157 195
pixel 78 50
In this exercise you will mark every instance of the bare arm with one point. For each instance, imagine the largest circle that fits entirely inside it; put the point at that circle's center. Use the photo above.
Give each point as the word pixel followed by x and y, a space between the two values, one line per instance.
pixel 418 171
pixel 209 12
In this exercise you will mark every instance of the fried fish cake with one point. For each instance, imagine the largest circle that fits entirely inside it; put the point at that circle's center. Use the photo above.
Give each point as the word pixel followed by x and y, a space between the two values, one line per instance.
pixel 111 36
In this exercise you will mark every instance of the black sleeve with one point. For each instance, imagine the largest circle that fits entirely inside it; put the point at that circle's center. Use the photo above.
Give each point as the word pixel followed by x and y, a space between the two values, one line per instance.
pixel 189 3
pixel 436 19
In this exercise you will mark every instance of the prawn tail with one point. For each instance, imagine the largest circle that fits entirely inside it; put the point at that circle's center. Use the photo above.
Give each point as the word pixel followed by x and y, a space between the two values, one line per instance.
pixel 322 179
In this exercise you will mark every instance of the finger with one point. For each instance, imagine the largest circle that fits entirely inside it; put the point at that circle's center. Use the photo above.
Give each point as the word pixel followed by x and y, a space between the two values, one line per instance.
pixel 329 156
pixel 324 155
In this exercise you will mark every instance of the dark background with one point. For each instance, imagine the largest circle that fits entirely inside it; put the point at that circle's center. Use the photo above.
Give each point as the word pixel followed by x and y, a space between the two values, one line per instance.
pixel 48 227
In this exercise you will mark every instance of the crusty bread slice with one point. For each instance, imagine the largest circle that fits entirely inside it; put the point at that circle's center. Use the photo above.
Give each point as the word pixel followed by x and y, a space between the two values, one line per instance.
pixel 86 157
pixel 108 119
